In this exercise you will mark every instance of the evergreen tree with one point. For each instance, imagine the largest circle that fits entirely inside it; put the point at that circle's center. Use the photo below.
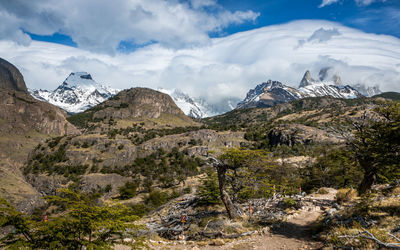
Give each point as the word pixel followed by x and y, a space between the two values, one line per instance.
pixel 376 145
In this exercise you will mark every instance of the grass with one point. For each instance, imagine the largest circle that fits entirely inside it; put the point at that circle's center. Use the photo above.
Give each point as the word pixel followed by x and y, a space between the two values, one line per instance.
pixel 345 195
pixel 384 211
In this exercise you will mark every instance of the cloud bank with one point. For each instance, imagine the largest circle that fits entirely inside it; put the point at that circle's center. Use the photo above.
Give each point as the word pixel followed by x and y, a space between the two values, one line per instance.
pixel 101 25
pixel 224 67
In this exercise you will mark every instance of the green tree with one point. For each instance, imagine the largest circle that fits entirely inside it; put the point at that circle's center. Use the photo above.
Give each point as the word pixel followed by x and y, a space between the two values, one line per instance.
pixel 209 190
pixel 79 224
pixel 233 160
pixel 334 167
pixel 376 145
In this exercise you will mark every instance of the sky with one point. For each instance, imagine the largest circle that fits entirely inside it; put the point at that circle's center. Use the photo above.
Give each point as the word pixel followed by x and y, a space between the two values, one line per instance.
pixel 215 49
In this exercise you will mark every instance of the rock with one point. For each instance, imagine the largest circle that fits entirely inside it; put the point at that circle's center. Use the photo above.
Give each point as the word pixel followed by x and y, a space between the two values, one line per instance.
pixel 291 134
pixel 139 102
pixel 266 231
pixel 95 181
pixel 10 77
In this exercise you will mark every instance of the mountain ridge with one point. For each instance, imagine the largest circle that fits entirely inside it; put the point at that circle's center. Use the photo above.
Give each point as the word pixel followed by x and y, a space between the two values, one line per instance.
pixel 270 93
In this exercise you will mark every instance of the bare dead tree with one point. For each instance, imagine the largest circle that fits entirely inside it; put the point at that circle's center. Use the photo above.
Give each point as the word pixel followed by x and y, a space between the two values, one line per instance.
pixel 367 235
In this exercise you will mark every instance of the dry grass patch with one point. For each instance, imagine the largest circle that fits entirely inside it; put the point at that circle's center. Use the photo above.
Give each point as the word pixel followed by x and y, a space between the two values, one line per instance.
pixel 346 195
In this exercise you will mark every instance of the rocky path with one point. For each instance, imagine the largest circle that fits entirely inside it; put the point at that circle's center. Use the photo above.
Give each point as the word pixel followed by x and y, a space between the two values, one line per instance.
pixel 295 233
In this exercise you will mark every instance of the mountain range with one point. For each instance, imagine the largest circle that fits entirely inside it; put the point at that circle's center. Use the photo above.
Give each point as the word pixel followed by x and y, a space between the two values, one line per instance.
pixel 270 93
pixel 80 92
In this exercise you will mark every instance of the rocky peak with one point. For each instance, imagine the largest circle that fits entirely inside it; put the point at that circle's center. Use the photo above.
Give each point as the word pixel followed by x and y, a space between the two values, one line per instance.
pixel 138 102
pixel 323 73
pixel 10 77
pixel 307 80
pixel 77 93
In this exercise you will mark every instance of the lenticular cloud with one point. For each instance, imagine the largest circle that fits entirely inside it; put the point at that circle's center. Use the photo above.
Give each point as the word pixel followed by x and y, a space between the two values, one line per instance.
pixel 225 67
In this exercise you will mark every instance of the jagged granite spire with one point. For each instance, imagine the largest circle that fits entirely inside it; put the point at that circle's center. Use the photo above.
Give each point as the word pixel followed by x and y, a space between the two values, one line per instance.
pixel 307 80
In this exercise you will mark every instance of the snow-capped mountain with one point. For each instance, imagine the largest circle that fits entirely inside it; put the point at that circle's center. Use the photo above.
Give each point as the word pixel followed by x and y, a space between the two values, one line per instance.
pixel 77 93
pixel 80 92
pixel 194 107
pixel 273 92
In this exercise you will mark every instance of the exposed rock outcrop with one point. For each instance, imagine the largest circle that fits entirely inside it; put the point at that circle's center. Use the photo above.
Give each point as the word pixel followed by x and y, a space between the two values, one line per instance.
pixel 24 122
pixel 138 102
pixel 10 77
pixel 292 134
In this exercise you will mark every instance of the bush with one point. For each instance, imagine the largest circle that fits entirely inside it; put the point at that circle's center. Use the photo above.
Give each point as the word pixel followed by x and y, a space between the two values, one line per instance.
pixel 289 203
pixel 345 195
pixel 128 190
pixel 139 209
pixel 322 191
pixel 156 198
pixel 209 190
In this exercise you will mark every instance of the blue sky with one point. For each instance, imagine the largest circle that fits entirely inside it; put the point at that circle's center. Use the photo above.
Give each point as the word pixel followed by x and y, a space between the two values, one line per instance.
pixel 215 49
pixel 373 16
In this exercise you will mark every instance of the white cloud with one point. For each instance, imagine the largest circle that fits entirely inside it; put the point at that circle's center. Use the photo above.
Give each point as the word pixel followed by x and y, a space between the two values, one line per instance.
pixel 100 25
pixel 327 2
pixel 358 2
pixel 321 35
pixel 368 2
pixel 225 67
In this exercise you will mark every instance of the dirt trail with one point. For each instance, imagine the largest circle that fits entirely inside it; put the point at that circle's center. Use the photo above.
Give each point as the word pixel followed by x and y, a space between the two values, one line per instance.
pixel 295 233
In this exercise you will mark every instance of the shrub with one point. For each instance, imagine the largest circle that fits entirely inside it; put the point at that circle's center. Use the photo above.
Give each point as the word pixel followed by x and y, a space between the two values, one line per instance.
pixel 139 209
pixel 108 188
pixel 345 195
pixel 323 191
pixel 128 190
pixel 156 198
pixel 209 190
pixel 289 203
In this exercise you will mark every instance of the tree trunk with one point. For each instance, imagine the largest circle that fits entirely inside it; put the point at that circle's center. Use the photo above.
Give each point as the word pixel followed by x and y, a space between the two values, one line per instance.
pixel 367 182
pixel 230 207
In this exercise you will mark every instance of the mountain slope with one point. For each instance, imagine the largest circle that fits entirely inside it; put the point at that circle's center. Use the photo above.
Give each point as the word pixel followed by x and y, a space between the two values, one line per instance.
pixel 134 105
pixel 77 93
pixel 192 107
pixel 24 122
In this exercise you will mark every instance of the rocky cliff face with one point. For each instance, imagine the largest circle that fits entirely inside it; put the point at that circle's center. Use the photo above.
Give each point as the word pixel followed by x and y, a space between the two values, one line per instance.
pixel 24 122
pixel 21 113
pixel 10 77
pixel 291 134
